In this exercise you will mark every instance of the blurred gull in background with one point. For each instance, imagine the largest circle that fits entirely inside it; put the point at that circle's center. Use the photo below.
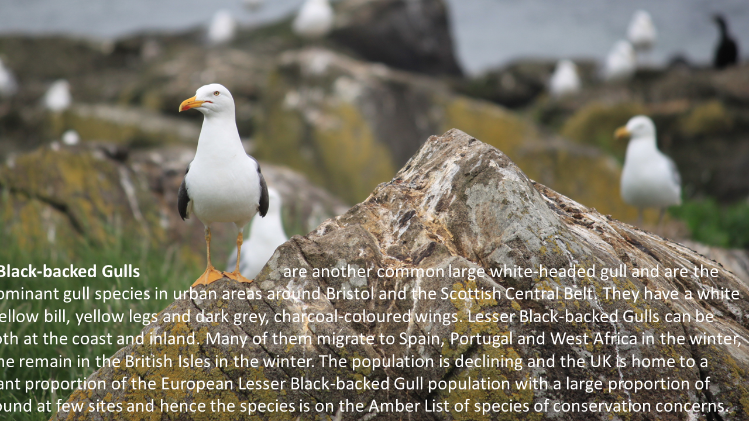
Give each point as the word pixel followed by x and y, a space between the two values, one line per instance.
pixel 266 234
pixel 222 28
pixel 642 35
pixel 58 96
pixel 71 137
pixel 620 63
pixel 650 179
pixel 314 20
pixel 565 80
pixel 641 32
pixel 8 85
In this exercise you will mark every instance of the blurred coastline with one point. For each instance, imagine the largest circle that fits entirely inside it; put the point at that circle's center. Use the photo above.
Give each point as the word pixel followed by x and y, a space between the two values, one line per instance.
pixel 487 33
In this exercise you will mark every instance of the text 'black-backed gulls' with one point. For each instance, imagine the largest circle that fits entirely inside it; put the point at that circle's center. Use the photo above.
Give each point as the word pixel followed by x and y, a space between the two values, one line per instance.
pixel 222 183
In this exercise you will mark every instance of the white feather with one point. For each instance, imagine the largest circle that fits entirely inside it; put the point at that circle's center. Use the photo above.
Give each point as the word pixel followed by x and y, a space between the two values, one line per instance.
pixel 565 80
pixel 71 137
pixel 641 31
pixel 621 62
pixel 58 96
pixel 222 28
pixel 8 85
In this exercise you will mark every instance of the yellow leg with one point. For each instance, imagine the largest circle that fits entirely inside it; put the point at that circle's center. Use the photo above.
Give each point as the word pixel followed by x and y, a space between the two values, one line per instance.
pixel 236 275
pixel 211 274
pixel 240 240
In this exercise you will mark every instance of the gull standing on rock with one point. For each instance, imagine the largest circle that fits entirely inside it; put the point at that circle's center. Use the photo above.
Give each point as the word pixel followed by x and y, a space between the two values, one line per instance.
pixel 222 183
pixel 58 98
pixel 266 235
pixel 565 80
pixel 649 178
pixel 621 62
pixel 314 20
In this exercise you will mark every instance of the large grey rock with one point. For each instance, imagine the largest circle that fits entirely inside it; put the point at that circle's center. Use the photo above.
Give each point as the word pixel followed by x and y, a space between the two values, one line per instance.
pixel 411 35
pixel 463 204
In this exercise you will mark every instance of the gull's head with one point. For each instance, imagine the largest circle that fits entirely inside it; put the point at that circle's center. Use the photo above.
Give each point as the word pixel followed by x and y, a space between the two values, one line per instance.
pixel 209 100
pixel 637 127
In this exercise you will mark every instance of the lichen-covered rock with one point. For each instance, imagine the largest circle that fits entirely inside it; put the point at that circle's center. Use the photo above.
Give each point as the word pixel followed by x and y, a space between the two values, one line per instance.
pixel 458 203
pixel 412 35
pixel 129 126
pixel 348 125
pixel 57 196
pixel 734 260
pixel 82 191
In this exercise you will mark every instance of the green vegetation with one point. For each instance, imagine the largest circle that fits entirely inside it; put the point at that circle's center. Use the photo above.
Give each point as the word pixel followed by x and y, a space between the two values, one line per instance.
pixel 715 224
pixel 162 269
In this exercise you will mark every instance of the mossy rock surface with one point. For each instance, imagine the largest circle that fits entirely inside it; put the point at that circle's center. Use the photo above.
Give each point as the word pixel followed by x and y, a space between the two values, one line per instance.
pixel 58 197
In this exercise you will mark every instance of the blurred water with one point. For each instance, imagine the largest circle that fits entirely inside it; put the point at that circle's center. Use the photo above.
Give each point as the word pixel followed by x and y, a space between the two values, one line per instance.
pixel 491 32
pixel 487 32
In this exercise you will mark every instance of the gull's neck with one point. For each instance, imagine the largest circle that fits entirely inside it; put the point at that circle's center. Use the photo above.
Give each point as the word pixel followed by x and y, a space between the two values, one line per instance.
pixel 219 137
pixel 641 146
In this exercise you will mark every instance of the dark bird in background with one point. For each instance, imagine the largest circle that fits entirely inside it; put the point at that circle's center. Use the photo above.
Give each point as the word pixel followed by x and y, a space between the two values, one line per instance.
pixel 727 52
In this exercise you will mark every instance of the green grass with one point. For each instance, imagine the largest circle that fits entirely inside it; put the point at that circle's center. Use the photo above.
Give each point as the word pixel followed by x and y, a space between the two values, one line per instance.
pixel 718 225
pixel 162 268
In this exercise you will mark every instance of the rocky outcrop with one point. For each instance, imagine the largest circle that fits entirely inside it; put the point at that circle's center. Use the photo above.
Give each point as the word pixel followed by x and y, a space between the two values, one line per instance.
pixel 129 126
pixel 58 196
pixel 412 35
pixel 457 204
pixel 348 125
pixel 520 83
pixel 734 260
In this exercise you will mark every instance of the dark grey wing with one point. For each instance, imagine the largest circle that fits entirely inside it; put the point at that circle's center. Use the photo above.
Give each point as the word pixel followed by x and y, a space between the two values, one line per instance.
pixel 183 199
pixel 263 206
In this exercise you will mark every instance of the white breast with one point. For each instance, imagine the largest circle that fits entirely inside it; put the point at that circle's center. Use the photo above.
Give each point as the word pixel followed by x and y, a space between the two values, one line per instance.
pixel 648 179
pixel 225 191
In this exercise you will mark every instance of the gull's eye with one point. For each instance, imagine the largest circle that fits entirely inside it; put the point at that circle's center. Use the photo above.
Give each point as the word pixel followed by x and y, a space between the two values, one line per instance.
pixel 217 93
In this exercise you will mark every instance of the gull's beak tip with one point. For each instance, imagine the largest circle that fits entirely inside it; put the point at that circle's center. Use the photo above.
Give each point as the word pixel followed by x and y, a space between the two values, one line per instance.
pixel 622 133
pixel 190 103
